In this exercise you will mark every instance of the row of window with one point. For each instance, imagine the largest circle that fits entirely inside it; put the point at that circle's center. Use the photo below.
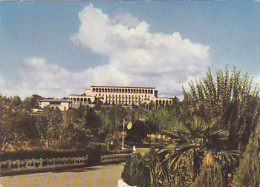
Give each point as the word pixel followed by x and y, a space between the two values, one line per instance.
pixel 123 96
pixel 125 99
pixel 123 90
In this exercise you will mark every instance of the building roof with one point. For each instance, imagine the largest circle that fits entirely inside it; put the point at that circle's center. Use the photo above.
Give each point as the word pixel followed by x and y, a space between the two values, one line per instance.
pixel 124 87
pixel 54 100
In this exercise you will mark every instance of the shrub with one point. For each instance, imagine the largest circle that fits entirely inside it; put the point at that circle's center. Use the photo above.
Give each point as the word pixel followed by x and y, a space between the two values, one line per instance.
pixel 129 174
pixel 248 172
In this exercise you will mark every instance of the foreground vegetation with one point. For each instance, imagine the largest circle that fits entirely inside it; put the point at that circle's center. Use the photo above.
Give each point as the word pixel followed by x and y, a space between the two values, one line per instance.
pixel 218 117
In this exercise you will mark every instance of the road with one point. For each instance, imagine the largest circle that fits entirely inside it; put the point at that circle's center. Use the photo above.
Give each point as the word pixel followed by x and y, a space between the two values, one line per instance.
pixel 96 176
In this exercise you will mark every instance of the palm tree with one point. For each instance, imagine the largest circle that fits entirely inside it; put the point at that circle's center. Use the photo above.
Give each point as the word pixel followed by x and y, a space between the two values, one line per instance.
pixel 231 99
pixel 195 144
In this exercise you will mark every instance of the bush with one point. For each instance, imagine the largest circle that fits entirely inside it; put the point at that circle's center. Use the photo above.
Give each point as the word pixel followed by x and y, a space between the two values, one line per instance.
pixel 138 170
pixel 129 174
pixel 210 176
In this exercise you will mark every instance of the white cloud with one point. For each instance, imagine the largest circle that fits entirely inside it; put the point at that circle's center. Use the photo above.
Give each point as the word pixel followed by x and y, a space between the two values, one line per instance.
pixel 136 57
pixel 50 80
pixel 126 19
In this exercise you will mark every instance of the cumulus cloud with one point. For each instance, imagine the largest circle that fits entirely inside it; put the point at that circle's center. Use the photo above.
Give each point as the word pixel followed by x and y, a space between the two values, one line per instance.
pixel 126 19
pixel 47 79
pixel 138 56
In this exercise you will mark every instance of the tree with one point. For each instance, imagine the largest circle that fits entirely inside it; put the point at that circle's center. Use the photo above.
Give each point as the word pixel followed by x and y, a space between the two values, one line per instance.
pixel 16 124
pixel 31 102
pixel 25 124
pixel 217 119
pixel 112 119
pixel 192 143
pixel 92 122
pixel 164 118
pixel 16 101
pixel 48 126
pixel 8 133
pixel 73 115
pixel 248 172
pixel 230 99
pixel 138 132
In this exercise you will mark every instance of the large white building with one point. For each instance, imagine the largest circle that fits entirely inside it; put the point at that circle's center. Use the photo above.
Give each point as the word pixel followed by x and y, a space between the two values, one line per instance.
pixel 124 95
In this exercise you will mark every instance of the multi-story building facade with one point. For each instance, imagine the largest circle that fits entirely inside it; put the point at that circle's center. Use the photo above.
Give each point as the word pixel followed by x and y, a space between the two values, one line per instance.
pixel 124 95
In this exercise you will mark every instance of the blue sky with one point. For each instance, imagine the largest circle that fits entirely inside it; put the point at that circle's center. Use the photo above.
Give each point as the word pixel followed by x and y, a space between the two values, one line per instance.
pixel 48 49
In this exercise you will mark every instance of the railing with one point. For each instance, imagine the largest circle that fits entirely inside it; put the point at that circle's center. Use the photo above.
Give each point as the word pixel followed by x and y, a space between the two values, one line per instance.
pixel 10 167
pixel 114 158
pixel 14 166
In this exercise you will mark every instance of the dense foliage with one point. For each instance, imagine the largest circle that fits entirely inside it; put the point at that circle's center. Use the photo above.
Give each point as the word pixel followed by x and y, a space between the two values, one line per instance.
pixel 217 118
pixel 230 99
pixel 77 128
pixel 248 172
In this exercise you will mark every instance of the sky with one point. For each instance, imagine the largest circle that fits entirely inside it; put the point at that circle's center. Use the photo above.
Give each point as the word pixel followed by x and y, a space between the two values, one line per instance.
pixel 55 49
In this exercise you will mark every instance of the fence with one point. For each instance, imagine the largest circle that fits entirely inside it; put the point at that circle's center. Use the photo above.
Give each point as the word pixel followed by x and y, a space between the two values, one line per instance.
pixel 31 165
pixel 114 158
pixel 10 167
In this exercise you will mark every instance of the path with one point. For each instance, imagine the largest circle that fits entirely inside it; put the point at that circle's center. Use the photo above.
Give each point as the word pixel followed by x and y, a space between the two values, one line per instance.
pixel 96 176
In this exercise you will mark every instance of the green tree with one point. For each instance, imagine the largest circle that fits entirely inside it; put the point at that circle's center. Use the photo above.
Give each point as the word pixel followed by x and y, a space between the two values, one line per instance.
pixel 92 122
pixel 164 118
pixel 248 172
pixel 48 126
pixel 73 115
pixel 16 101
pixel 193 142
pixel 8 131
pixel 138 132
pixel 112 119
pixel 217 118
pixel 25 124
pixel 230 99
pixel 31 102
